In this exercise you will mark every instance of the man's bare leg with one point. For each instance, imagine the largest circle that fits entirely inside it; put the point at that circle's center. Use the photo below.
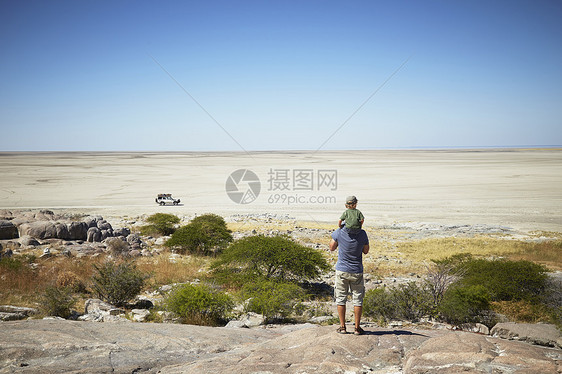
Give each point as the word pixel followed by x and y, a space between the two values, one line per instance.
pixel 358 310
pixel 341 314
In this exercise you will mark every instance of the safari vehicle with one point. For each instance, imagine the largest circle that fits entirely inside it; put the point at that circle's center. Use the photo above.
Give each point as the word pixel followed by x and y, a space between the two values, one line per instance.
pixel 166 198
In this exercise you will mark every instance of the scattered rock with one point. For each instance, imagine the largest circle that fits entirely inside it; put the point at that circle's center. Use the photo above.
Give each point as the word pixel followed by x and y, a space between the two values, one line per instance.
pixel 140 315
pixel 122 232
pixel 477 328
pixel 28 241
pixel 11 316
pixel 14 313
pixel 321 319
pixel 247 320
pixel 133 239
pixel 18 309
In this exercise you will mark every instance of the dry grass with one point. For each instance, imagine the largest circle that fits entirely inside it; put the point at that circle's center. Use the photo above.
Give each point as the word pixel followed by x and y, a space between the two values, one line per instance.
pixel 23 285
pixel 167 271
pixel 523 311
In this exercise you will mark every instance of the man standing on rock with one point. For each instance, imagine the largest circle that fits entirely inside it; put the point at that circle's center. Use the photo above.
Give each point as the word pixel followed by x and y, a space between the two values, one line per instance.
pixel 349 273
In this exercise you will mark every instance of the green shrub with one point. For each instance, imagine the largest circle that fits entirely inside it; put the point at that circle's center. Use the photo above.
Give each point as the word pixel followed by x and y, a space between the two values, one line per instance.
pixel 57 301
pixel 160 224
pixel 200 304
pixel 117 283
pixel 204 235
pixel 468 304
pixel 408 301
pixel 272 299
pixel 376 304
pixel 506 280
pixel 276 257
pixel 11 263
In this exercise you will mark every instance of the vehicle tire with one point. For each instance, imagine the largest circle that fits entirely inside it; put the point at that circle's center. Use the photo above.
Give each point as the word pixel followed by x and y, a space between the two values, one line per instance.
pixel 162 203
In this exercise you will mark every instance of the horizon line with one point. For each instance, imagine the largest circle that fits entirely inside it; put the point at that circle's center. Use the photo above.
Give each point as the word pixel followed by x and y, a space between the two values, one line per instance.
pixel 407 148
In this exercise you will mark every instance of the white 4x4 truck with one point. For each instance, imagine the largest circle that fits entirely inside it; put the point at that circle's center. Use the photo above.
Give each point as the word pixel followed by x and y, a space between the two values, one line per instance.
pixel 166 198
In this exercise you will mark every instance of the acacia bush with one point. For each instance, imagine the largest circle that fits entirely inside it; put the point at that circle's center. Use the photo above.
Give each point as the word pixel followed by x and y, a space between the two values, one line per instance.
pixel 204 235
pixel 271 298
pixel 200 304
pixel 118 283
pixel 276 257
pixel 160 224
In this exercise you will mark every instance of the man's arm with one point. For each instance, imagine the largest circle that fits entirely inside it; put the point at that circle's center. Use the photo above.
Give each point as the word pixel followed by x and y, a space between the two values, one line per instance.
pixel 366 248
pixel 333 245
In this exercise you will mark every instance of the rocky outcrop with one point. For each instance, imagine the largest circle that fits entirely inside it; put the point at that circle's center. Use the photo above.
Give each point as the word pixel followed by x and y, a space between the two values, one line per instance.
pixel 51 346
pixel 47 225
pixel 39 229
pixel 8 230
pixel 14 313
pixel 100 311
pixel 471 353
pixel 539 333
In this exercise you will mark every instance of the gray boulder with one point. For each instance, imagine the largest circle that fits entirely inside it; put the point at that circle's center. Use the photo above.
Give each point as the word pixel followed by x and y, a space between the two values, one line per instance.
pixel 39 229
pixel 8 230
pixel 15 313
pixel 540 334
pixel 18 309
pixel 122 232
pixel 93 235
pixel 100 311
pixel 104 225
pixel 90 222
pixel 247 320
pixel 134 241
pixel 62 231
pixel 78 231
pixel 11 316
pixel 106 234
pixel 140 315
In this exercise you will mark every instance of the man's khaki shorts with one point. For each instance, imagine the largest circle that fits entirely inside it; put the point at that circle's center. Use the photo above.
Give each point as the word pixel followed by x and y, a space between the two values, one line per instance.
pixel 347 283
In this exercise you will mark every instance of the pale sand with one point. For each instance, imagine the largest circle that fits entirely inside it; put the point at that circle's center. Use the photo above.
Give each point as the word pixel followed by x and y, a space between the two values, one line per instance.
pixel 521 189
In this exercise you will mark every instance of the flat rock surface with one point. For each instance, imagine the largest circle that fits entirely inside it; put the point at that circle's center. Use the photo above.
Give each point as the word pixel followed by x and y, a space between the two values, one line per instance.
pixel 55 346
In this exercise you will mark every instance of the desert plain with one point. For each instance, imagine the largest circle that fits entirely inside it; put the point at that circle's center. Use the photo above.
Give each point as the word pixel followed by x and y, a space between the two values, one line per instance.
pixel 517 188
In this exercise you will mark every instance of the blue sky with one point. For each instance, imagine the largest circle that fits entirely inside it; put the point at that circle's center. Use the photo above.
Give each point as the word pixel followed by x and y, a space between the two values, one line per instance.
pixel 278 75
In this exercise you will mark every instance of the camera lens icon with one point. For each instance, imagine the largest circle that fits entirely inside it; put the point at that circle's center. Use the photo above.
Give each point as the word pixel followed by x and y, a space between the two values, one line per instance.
pixel 243 186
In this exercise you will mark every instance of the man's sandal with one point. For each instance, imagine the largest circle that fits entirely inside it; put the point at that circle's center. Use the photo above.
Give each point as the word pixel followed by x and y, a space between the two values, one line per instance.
pixel 359 331
pixel 341 330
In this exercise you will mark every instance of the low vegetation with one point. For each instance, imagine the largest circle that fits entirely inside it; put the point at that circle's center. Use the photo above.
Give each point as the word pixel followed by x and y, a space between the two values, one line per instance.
pixel 117 283
pixel 273 299
pixel 200 304
pixel 462 289
pixel 469 280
